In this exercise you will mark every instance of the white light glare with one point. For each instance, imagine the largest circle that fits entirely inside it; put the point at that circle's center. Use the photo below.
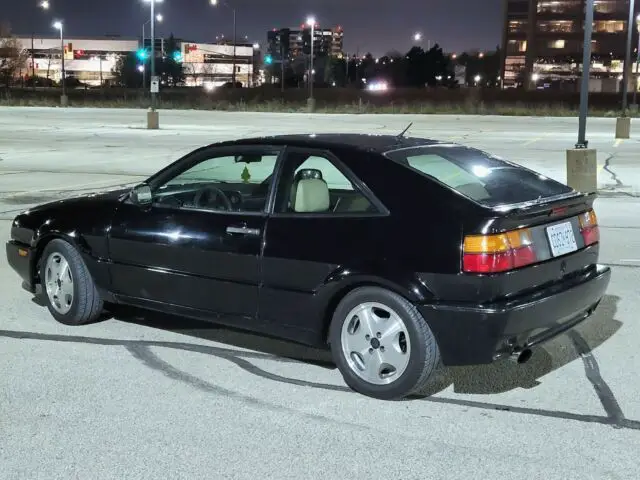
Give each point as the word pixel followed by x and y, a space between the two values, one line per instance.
pixel 57 25
pixel 311 20
pixel 378 86
pixel 480 171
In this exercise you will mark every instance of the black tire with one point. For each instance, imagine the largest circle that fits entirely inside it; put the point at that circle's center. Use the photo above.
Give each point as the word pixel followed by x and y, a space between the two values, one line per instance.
pixel 424 357
pixel 86 304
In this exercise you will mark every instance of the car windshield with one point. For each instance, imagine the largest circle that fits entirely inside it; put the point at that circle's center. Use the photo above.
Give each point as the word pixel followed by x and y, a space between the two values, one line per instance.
pixel 482 177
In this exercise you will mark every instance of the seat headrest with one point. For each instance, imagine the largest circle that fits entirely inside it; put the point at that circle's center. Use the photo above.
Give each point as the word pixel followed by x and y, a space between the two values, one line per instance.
pixel 311 195
pixel 307 173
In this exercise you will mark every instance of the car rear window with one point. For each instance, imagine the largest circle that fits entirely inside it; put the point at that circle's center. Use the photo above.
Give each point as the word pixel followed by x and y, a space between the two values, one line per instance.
pixel 480 176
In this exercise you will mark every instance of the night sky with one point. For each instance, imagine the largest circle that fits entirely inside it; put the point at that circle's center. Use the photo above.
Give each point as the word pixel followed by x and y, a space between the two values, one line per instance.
pixel 370 25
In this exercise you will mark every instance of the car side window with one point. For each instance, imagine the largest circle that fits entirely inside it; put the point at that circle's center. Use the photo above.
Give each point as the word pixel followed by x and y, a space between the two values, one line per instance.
pixel 314 184
pixel 236 183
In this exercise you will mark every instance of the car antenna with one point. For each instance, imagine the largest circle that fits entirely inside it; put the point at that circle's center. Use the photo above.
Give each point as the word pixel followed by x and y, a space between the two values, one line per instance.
pixel 405 130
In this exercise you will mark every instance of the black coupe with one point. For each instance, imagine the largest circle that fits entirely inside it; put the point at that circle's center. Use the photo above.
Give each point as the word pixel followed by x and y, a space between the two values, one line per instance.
pixel 399 254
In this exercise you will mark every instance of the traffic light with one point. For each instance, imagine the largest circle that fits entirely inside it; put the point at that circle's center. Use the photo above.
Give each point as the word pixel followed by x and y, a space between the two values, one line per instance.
pixel 141 54
pixel 177 56
pixel 268 59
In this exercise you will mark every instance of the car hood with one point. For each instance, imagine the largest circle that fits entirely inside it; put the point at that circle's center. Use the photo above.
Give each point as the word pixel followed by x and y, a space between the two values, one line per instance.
pixel 98 206
pixel 82 201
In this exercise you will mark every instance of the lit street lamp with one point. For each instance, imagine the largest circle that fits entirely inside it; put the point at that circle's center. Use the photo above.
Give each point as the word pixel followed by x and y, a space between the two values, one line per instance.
pixel 63 98
pixel 310 102
pixel 215 3
pixel 417 37
pixel 44 4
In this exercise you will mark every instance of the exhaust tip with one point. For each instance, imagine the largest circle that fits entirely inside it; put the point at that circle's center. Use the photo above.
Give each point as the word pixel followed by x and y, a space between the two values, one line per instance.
pixel 521 356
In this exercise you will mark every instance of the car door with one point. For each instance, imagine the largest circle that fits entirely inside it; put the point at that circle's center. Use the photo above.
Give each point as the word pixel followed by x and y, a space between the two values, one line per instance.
pixel 324 219
pixel 197 243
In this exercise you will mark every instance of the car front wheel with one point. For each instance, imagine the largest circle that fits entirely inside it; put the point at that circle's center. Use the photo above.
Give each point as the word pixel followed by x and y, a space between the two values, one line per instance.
pixel 72 297
pixel 382 345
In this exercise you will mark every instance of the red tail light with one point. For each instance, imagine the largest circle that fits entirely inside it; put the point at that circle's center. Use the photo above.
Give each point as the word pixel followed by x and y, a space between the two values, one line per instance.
pixel 589 228
pixel 498 253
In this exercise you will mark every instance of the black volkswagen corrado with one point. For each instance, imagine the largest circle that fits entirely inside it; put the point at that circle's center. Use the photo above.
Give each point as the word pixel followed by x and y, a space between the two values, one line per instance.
pixel 399 254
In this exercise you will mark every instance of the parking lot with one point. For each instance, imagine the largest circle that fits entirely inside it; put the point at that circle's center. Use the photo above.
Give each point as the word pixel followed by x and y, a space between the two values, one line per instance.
pixel 146 396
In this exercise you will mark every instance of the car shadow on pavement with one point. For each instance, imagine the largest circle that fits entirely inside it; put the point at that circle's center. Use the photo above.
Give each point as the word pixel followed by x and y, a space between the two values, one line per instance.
pixel 225 335
pixel 504 375
pixel 499 377
pixel 486 379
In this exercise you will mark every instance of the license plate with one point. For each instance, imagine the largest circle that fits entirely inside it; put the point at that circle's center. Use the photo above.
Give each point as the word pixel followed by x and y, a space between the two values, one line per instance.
pixel 561 239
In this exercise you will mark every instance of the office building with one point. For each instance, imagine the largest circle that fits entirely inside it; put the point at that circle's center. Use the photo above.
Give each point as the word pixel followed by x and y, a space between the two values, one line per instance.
pixel 543 41
pixel 292 43
pixel 92 60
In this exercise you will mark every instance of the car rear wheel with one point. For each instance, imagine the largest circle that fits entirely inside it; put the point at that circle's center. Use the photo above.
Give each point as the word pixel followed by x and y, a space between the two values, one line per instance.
pixel 72 297
pixel 382 345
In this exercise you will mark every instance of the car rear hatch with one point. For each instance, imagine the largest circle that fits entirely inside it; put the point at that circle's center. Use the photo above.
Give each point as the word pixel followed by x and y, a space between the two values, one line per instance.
pixel 528 247
pixel 521 230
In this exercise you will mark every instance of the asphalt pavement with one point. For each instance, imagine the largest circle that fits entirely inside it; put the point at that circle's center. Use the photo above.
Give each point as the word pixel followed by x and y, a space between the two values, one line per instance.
pixel 144 396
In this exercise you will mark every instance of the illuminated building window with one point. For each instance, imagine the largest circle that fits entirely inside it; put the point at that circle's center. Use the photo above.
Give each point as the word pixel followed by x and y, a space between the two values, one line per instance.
pixel 554 6
pixel 517 26
pixel 609 6
pixel 557 44
pixel 609 26
pixel 557 26
pixel 517 45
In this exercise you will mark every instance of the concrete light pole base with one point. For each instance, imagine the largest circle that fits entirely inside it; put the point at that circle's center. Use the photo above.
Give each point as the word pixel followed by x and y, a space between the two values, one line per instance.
pixel 623 127
pixel 311 104
pixel 64 101
pixel 633 108
pixel 582 169
pixel 153 119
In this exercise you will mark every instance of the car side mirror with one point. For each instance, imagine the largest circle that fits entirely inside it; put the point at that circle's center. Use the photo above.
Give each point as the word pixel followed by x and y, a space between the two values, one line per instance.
pixel 141 194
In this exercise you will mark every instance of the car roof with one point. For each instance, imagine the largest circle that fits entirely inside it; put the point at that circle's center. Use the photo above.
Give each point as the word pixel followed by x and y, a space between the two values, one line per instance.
pixel 360 141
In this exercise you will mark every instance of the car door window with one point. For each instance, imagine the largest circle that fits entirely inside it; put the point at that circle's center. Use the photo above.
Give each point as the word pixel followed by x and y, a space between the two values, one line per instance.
pixel 313 184
pixel 236 183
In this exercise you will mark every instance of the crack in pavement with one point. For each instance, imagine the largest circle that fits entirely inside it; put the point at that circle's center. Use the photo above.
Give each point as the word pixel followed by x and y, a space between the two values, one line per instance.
pixel 607 167
pixel 140 350
pixel 592 371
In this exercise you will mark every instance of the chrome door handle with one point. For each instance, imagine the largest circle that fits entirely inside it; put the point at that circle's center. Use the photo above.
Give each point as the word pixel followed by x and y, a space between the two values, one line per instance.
pixel 244 230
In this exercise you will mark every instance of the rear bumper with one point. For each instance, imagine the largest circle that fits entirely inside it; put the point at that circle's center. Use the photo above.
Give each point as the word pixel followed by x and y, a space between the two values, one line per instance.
pixel 471 334
pixel 19 257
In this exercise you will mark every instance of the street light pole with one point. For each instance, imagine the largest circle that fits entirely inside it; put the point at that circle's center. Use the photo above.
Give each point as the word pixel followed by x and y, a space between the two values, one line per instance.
pixel 144 71
pixel 153 117
pixel 636 84
pixel 582 162
pixel 627 59
pixel 153 54
pixel 63 99
pixel 233 10
pixel 311 101
pixel 233 78
pixel 586 66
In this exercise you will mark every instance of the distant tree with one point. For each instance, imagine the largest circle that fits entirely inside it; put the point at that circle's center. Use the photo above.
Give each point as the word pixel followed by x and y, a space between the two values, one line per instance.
pixel 12 56
pixel 171 67
pixel 126 73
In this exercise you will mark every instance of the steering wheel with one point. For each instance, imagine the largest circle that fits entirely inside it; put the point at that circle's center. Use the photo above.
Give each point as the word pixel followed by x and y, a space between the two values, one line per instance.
pixel 216 191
